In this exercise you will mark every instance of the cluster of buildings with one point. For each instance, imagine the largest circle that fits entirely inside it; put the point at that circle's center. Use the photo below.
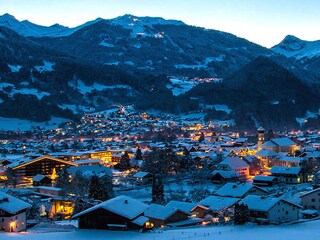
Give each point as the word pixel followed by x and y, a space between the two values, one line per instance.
pixel 246 167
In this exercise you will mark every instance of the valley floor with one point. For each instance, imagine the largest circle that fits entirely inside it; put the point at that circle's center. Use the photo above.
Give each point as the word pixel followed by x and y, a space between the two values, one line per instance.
pixel 307 230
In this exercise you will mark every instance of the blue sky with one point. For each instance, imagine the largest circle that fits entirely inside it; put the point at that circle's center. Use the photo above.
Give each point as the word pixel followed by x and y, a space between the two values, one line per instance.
pixel 265 22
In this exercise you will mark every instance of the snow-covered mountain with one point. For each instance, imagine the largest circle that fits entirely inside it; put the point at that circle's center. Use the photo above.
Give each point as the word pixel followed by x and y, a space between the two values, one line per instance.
pixel 292 46
pixel 29 29
pixel 138 25
pixel 58 71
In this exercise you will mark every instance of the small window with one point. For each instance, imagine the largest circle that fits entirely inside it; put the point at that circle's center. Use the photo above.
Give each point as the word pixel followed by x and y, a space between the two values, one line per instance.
pixel 287 212
pixel 313 200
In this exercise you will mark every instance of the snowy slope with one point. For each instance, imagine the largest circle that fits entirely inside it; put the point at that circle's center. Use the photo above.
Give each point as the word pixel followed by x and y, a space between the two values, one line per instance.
pixel 292 46
pixel 142 26
pixel 308 230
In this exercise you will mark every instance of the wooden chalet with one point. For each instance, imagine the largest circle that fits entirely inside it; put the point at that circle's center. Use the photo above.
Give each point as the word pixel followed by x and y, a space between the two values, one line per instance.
pixel 121 212
pixel 45 165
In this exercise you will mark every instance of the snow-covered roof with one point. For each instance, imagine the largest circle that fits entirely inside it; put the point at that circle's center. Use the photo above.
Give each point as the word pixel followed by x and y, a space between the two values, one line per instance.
pixel 234 162
pixel 140 221
pixel 122 205
pixel 312 191
pixel 185 206
pixel 264 204
pixel 285 170
pixel 88 171
pixel 161 212
pixel 235 190
pixel 282 142
pixel 217 203
pixel 86 161
pixel 266 153
pixel 263 178
pixel 291 159
pixel 226 174
pixel 141 174
pixel 38 177
pixel 12 204
pixel 269 144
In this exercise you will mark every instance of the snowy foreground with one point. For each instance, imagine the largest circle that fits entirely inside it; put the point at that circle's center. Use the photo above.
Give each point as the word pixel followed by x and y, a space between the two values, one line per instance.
pixel 308 230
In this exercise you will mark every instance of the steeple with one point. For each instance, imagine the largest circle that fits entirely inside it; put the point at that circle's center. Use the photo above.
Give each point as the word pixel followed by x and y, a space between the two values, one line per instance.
pixel 261 131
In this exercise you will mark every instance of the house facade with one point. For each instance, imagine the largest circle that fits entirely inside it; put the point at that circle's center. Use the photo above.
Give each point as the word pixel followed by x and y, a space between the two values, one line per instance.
pixel 292 175
pixel 12 213
pixel 236 164
pixel 271 210
pixel 311 200
pixel 121 212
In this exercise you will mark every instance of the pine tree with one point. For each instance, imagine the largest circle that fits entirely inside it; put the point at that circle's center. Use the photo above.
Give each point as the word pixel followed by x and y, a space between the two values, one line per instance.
pixel 157 189
pixel 201 138
pixel 12 178
pixel 138 154
pixel 124 162
pixel 63 180
pixel 241 214
pixel 95 189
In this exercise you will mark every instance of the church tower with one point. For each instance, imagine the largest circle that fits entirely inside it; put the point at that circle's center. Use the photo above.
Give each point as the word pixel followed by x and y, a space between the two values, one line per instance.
pixel 261 131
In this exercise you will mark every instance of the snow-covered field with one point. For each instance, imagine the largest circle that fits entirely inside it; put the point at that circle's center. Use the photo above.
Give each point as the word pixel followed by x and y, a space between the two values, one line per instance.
pixel 23 125
pixel 308 230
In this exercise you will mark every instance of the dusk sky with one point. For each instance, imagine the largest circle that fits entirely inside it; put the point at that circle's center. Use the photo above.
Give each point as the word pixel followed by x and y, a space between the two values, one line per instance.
pixel 265 22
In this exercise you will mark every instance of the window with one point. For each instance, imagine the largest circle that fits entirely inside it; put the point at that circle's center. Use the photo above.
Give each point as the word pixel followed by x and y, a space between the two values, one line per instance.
pixel 287 212
pixel 313 200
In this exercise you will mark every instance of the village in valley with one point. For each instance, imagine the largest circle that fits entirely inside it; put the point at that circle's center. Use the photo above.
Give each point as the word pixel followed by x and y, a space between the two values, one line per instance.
pixel 123 169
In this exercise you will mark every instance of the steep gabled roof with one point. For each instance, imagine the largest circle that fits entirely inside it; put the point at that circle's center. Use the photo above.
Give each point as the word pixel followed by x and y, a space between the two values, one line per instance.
pixel 217 203
pixel 185 206
pixel 41 158
pixel 161 212
pixel 282 142
pixel 285 170
pixel 263 204
pixel 12 204
pixel 236 190
pixel 124 206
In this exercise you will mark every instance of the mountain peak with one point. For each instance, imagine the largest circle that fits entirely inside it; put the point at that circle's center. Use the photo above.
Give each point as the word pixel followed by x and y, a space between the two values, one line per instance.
pixel 8 16
pixel 290 38
pixel 131 19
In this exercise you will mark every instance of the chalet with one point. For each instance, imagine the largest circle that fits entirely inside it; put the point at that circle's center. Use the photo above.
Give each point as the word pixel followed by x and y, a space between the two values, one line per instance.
pixel 217 203
pixel 280 145
pixel 264 180
pixel 270 209
pixel 121 212
pixel 12 213
pixel 239 190
pixel 311 200
pixel 41 180
pixel 220 209
pixel 143 177
pixel 196 210
pixel 162 215
pixel 223 176
pixel 286 161
pixel 45 165
pixel 289 174
pixel 266 157
pixel 234 163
